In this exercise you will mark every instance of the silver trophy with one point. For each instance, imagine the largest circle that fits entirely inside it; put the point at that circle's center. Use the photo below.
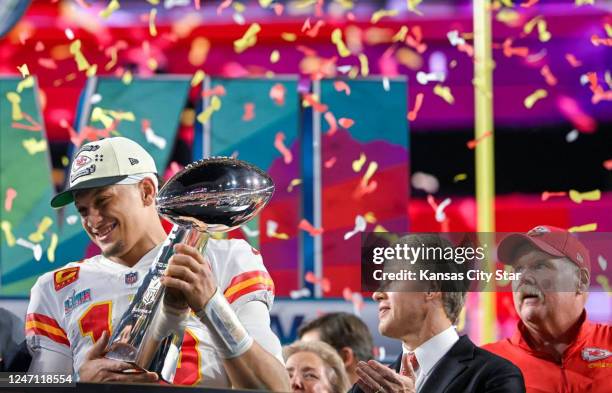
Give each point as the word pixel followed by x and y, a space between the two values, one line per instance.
pixel 216 194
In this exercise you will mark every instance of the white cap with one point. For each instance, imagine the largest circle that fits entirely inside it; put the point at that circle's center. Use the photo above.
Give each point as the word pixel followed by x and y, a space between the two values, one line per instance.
pixel 103 163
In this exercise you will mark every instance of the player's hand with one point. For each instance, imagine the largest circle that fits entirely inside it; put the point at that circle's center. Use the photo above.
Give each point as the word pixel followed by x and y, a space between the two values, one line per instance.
pixel 377 378
pixel 191 274
pixel 96 368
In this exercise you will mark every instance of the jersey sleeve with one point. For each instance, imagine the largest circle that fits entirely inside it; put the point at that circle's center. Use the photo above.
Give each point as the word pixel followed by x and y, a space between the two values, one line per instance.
pixel 44 322
pixel 240 272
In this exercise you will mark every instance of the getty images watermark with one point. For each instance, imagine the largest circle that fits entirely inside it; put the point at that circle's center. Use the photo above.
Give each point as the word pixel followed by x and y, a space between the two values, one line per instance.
pixel 470 261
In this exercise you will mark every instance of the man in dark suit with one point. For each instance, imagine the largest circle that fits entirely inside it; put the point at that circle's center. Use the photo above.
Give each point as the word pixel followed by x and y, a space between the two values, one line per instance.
pixel 421 314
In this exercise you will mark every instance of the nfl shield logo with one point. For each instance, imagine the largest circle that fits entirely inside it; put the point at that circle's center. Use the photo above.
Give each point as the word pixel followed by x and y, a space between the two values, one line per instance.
pixel 131 278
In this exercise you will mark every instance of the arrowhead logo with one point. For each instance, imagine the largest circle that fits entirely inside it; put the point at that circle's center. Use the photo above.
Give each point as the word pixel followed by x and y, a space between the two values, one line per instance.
pixel 133 161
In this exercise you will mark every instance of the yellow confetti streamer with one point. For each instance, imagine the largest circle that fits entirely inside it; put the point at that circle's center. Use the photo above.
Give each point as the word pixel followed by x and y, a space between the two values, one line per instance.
pixel 608 29
pixel 99 114
pixel 127 77
pixel 265 3
pixel 380 228
pixel 369 173
pixel 370 217
pixel 75 50
pixel 152 64
pixel 531 99
pixel 294 183
pixel 24 70
pixel 238 7
pixel 358 164
pixel 336 38
pixel 352 74
pixel 25 84
pixel 400 36
pixel 127 116
pixel 281 236
pixel 153 2
pixel 274 56
pixel 198 77
pixel 112 7
pixel 378 15
pixel 43 226
pixel 584 228
pixel 65 161
pixel 543 34
pixel 459 177
pixel 215 105
pixel 507 3
pixel 605 284
pixel 507 16
pixel 529 26
pixel 445 93
pixel 412 6
pixel 15 100
pixel 152 27
pixel 584 2
pixel 346 4
pixel 578 197
pixel 248 40
pixel 305 3
pixel 33 146
pixel 8 233
pixel 363 61
pixel 91 71
pixel 289 37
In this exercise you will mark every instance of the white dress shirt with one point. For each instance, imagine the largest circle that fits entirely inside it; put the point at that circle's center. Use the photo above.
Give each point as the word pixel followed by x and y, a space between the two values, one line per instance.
pixel 429 353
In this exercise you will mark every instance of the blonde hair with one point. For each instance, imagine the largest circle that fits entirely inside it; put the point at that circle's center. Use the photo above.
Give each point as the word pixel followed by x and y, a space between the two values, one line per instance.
pixel 334 367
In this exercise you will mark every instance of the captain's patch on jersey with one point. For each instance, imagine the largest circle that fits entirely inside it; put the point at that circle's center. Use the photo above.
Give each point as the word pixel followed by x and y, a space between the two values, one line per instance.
pixel 63 278
pixel 76 299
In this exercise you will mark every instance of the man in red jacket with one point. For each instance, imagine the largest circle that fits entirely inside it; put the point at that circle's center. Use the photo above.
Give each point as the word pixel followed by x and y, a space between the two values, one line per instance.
pixel 556 347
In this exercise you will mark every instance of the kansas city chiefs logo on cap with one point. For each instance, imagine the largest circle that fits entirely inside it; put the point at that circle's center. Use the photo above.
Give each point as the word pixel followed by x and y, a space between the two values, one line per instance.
pixel 592 354
pixel 537 231
pixel 80 162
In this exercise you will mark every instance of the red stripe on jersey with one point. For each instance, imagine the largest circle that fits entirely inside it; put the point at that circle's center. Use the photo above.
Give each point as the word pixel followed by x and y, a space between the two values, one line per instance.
pixel 38 324
pixel 249 289
pixel 245 276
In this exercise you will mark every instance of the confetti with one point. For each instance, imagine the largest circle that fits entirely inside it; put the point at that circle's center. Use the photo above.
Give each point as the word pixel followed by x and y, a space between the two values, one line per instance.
pixel 605 284
pixel 47 63
pixel 249 112
pixel 223 5
pixel 342 86
pixel 548 76
pixel 249 232
pixel 608 164
pixel 332 161
pixel 440 215
pixel 289 37
pixel 412 6
pixel 72 219
pixel 510 51
pixel 414 40
pixel 248 40
pixel 33 146
pixel 578 197
pixel 534 97
pixel 15 100
pixel 198 51
pixel 152 138
pixel 323 282
pixel 584 228
pixel 112 7
pixel 360 226
pixel 363 62
pixel 306 226
pixel 336 38
pixel 345 122
pixel 271 227
pixel 372 167
pixel 280 146
pixel 400 36
pixel 378 15
pixel 364 189
pixel 278 9
pixel 331 121
pixel 23 69
pixel 474 142
pixel 459 177
pixel 274 56
pixel 418 102
pixel 43 226
pixel 75 50
pixel 425 181
pixel 127 77
pixel 218 90
pixel 596 40
pixel 314 31
pixel 529 3
pixel 313 100
pixel 444 92
pixel 572 136
pixel 277 94
pixel 8 233
pixel 603 264
pixel 543 34
pixel 9 197
pixel 359 163
pixel 198 77
pixel 584 2
pixel 355 298
pixel 569 107
pixel 424 78
pixel 572 60
pixel 25 84
pixel 36 248
pixel 293 183
pixel 215 105
pixel 52 247
pixel 299 293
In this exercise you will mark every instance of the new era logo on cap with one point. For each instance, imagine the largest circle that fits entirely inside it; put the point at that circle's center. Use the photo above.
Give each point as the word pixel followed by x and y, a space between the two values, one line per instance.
pixel 103 163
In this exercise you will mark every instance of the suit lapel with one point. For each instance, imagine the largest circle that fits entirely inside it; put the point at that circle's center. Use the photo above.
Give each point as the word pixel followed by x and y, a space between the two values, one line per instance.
pixel 451 365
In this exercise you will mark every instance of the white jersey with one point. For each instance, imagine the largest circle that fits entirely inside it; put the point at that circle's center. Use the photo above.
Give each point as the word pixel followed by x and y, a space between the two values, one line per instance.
pixel 71 307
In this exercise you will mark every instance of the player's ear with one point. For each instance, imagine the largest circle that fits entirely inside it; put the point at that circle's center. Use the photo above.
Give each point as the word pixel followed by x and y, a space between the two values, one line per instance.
pixel 584 279
pixel 147 191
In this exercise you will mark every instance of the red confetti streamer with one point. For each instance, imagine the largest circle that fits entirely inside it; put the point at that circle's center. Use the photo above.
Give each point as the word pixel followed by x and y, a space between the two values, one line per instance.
pixel 306 226
pixel 278 9
pixel 595 40
pixel 223 6
pixel 418 102
pixel 33 126
pixel 306 50
pixel 331 120
pixel 474 142
pixel 279 144
pixel 342 86
pixel 249 111
pixel 548 76
pixel 510 51
pixel 315 30
pixel 362 189
pixel 608 164
pixel 572 60
pixel 215 91
pixel 316 105
pixel 570 109
pixel 346 122
pixel 312 279
pixel 277 94
pixel 547 194
pixel 414 39
pixel 332 161
pixel 9 197
pixel 47 63
pixel 529 3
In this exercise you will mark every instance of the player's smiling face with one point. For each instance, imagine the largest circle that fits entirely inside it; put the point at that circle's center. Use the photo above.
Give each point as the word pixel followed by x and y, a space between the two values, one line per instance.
pixel 112 217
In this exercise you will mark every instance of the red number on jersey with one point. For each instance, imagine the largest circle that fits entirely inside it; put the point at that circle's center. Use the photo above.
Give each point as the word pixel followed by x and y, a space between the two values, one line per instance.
pixel 188 369
pixel 95 320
